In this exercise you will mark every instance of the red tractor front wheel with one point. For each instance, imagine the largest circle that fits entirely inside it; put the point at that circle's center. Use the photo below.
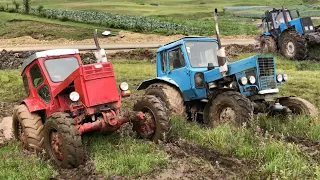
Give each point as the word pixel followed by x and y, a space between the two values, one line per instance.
pixel 62 141
pixel 156 117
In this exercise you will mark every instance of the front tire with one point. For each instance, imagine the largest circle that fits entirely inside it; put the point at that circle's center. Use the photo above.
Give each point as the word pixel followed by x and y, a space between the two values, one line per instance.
pixel 169 95
pixel 268 44
pixel 62 141
pixel 300 106
pixel 230 107
pixel 156 116
pixel 28 128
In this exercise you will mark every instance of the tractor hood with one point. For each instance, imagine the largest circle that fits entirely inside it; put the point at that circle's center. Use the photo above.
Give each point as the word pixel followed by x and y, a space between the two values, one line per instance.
pixel 260 68
pixel 233 68
pixel 95 84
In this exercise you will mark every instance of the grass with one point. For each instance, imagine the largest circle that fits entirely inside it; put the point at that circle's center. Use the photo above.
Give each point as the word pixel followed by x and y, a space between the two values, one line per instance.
pixel 274 158
pixel 19 164
pixel 124 155
pixel 130 157
pixel 14 25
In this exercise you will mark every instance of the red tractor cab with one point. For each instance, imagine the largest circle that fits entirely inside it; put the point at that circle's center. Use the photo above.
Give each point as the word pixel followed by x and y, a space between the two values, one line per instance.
pixel 66 99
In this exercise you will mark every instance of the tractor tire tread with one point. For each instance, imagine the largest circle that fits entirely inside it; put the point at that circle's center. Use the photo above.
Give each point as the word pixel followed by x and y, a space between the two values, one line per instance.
pixel 74 152
pixel 243 104
pixel 163 120
pixel 169 95
pixel 307 107
pixel 301 44
pixel 32 125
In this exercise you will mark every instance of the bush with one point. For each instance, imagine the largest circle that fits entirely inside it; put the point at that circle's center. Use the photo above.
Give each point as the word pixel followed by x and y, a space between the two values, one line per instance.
pixel 16 5
pixel 2 8
pixel 40 8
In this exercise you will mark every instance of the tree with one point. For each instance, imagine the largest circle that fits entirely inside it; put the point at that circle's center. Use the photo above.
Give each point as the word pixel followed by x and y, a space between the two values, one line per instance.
pixel 26 4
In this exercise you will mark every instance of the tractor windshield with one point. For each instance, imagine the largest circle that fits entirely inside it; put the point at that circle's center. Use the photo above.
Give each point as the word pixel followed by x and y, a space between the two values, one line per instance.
pixel 59 69
pixel 279 19
pixel 202 53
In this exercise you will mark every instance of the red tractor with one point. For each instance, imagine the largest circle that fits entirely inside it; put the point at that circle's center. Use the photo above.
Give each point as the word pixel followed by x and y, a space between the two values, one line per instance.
pixel 65 99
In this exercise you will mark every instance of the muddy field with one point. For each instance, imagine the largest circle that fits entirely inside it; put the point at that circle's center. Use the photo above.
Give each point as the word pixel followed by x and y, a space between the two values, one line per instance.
pixel 186 160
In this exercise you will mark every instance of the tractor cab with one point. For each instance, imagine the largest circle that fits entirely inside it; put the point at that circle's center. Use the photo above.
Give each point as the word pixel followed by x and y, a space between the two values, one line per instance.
pixel 181 60
pixel 278 20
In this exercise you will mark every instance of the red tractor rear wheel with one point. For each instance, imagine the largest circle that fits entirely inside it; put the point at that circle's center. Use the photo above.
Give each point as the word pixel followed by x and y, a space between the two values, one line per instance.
pixel 28 128
pixel 157 119
pixel 62 141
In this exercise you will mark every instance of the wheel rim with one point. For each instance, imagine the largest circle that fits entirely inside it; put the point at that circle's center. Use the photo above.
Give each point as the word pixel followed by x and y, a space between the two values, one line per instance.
pixel 227 114
pixel 56 144
pixel 150 124
pixel 290 48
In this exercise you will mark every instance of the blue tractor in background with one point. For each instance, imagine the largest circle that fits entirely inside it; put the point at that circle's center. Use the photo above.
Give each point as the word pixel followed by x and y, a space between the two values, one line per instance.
pixel 195 79
pixel 292 37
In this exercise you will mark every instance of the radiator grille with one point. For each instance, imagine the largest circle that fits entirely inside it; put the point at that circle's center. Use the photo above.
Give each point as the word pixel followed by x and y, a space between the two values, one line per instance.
pixel 96 71
pixel 267 73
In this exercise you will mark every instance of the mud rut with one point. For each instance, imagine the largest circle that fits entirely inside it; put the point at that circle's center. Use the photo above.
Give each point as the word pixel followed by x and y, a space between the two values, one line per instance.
pixel 186 160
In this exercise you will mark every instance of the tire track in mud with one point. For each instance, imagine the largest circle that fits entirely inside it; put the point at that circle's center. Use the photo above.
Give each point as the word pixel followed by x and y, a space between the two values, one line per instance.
pixel 191 161
pixel 310 148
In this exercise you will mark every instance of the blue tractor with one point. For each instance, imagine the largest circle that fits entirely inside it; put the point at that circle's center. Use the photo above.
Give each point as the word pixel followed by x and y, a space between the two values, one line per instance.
pixel 292 37
pixel 195 79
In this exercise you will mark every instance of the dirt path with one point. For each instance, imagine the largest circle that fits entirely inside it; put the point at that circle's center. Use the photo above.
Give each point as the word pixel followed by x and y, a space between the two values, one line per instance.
pixel 191 161
pixel 124 37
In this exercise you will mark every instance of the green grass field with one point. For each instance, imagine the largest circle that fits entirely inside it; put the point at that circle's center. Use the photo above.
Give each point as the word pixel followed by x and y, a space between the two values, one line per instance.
pixel 14 25
pixel 120 154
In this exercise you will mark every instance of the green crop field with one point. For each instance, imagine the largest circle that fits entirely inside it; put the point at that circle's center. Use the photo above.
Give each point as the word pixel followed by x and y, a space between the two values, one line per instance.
pixel 165 17
pixel 124 155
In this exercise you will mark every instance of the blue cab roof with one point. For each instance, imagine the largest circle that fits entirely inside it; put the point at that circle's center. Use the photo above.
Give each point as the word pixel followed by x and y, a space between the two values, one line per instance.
pixel 187 38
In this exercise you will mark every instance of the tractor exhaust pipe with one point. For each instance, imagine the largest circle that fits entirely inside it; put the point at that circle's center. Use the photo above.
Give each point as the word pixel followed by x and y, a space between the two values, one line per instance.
pixel 222 60
pixel 100 54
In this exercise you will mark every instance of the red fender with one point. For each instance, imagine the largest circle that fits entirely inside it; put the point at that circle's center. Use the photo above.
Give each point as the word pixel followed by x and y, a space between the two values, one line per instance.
pixel 34 104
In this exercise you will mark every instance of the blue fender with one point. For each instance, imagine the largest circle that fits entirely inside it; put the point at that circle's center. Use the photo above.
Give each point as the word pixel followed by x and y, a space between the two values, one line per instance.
pixel 148 82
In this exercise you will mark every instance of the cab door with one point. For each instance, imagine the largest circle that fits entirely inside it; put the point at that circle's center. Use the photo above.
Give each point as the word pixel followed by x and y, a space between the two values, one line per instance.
pixel 179 71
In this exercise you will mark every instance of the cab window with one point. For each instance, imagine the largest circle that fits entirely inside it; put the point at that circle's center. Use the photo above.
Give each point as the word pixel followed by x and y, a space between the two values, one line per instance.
pixel 176 59
pixel 26 84
pixel 36 75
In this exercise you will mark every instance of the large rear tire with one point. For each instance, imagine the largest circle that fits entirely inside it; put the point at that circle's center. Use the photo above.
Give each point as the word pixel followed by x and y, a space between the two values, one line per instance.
pixel 62 141
pixel 169 95
pixel 156 116
pixel 230 107
pixel 268 44
pixel 293 45
pixel 28 128
pixel 300 106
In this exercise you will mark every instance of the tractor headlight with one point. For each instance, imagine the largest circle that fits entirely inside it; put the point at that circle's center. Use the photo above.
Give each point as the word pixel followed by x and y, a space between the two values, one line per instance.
pixel 124 86
pixel 199 80
pixel 244 81
pixel 74 96
pixel 311 28
pixel 279 78
pixel 285 77
pixel 252 80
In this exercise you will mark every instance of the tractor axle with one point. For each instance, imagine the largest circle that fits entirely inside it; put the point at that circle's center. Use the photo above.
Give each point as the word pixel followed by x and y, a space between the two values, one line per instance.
pixel 110 122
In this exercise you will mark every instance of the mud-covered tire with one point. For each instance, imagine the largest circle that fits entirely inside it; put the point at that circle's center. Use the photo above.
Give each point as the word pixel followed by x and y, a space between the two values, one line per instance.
pixel 231 101
pixel 162 120
pixel 31 126
pixel 72 149
pixel 169 95
pixel 268 44
pixel 293 45
pixel 300 106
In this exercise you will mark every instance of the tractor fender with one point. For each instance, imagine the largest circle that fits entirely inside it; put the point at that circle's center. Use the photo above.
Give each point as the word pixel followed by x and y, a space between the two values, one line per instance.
pixel 166 80
pixel 34 105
